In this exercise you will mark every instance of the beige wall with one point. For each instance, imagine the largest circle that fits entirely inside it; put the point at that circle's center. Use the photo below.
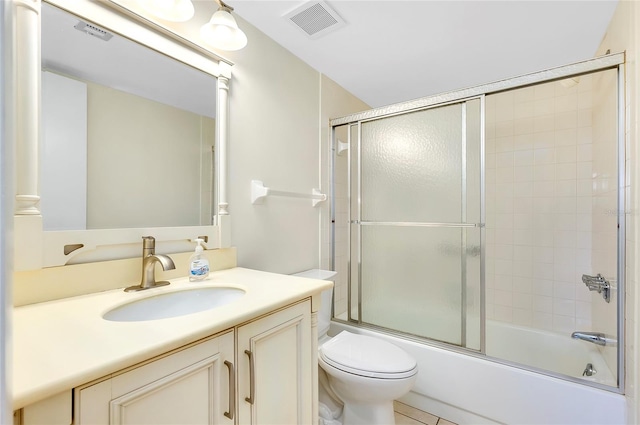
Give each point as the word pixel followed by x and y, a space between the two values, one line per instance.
pixel 623 34
pixel 136 145
pixel 280 108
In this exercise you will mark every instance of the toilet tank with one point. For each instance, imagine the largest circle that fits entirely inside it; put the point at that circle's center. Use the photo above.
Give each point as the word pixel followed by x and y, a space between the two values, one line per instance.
pixel 324 315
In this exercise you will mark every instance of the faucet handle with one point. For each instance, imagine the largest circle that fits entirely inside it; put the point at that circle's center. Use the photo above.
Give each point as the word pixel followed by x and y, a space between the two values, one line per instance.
pixel 148 246
pixel 148 241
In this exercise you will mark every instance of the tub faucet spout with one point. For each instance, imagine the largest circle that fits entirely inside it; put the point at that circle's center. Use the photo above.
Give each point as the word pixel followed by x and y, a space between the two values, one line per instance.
pixel 149 260
pixel 594 337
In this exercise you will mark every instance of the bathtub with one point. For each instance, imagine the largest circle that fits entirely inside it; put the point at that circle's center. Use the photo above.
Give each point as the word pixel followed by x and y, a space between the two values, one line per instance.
pixel 535 347
pixel 470 390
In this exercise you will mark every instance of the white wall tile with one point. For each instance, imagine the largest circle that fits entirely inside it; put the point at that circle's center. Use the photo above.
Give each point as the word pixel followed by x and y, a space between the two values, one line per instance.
pixel 565 154
pixel 566 137
pixel 523 110
pixel 543 106
pixel 543 287
pixel 544 139
pixel 564 324
pixel 522 316
pixel 545 172
pixel 583 152
pixel 522 174
pixel 584 135
pixel 523 125
pixel 544 123
pixel 543 321
pixel 566 103
pixel 567 171
pixel 584 170
pixel 522 142
pixel 566 120
pixel 542 218
pixel 503 313
pixel 504 128
pixel 544 156
pixel 523 284
pixel 523 157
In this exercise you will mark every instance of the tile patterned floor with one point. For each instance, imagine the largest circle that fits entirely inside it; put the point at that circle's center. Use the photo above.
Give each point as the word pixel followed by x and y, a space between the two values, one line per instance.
pixel 407 415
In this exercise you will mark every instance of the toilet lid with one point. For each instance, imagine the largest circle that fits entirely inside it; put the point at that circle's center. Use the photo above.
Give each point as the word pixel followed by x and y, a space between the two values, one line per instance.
pixel 367 356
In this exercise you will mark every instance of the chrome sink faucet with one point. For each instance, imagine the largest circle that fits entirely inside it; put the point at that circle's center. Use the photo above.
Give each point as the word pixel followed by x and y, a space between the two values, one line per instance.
pixel 149 260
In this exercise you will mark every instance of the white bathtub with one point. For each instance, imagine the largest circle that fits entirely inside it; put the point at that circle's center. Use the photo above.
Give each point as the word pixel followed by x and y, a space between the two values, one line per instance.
pixel 548 351
pixel 470 390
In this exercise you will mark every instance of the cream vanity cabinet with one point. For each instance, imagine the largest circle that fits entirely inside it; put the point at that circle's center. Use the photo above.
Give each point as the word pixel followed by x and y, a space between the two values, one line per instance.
pixel 189 386
pixel 257 373
pixel 275 368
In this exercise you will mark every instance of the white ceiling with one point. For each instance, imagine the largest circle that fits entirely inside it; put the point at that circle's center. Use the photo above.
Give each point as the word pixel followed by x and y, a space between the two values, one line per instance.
pixel 392 51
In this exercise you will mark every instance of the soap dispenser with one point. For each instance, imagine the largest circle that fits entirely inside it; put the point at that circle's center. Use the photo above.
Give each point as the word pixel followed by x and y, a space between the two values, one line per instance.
pixel 198 263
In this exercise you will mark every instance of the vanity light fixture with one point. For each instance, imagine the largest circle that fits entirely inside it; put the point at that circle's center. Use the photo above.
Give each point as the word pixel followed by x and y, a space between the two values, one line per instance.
pixel 169 10
pixel 222 32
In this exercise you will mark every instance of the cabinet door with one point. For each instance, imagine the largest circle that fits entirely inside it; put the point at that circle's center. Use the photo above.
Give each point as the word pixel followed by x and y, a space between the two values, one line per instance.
pixel 191 386
pixel 275 379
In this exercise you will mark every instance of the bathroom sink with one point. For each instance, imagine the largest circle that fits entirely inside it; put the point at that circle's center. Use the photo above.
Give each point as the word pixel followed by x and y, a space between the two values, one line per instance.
pixel 173 304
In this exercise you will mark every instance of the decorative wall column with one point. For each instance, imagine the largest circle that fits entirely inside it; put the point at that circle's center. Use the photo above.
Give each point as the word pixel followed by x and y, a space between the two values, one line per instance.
pixel 222 140
pixel 27 220
pixel 27 83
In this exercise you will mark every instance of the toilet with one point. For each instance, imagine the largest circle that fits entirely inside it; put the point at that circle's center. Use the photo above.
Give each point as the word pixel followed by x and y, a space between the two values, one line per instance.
pixel 363 373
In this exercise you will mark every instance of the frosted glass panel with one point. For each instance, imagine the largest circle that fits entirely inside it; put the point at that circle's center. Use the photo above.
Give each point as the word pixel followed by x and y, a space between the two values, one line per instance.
pixel 412 166
pixel 411 280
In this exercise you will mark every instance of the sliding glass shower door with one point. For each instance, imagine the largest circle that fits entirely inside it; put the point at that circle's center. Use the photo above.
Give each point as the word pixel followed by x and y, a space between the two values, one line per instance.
pixel 492 219
pixel 416 222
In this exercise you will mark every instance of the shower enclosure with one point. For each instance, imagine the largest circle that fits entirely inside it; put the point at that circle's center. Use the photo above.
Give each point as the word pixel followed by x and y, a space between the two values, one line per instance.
pixel 490 221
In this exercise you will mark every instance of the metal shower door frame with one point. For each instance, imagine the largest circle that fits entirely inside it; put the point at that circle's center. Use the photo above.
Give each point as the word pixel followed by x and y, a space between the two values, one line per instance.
pixel 612 61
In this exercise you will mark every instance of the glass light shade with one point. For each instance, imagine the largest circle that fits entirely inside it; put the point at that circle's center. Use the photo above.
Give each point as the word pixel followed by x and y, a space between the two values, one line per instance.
pixel 169 10
pixel 222 32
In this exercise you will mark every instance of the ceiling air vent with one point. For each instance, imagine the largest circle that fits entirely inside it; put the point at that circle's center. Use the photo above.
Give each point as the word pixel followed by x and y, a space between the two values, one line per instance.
pixel 93 30
pixel 315 18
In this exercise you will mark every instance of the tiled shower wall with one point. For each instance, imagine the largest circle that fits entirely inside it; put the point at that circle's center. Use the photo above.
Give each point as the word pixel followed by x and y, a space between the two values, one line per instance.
pixel 538 205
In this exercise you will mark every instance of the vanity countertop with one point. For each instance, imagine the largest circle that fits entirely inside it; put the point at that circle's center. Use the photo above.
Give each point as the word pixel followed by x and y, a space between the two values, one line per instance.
pixel 61 344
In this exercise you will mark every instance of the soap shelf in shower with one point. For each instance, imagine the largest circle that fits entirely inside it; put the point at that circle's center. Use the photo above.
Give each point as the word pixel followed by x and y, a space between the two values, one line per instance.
pixel 259 192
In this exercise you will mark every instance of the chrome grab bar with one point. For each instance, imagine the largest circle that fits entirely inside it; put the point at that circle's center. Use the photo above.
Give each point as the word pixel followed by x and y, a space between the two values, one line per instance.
pixel 598 283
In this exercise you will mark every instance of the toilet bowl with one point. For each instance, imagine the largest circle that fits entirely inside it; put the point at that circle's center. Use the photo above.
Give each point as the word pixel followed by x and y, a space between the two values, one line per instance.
pixel 366 374
pixel 363 373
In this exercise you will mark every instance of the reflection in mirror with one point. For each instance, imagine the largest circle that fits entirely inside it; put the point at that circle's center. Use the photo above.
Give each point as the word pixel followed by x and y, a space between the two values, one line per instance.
pixel 127 133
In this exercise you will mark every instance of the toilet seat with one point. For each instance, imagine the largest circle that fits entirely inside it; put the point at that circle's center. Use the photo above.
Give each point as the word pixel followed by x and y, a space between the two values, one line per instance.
pixel 367 356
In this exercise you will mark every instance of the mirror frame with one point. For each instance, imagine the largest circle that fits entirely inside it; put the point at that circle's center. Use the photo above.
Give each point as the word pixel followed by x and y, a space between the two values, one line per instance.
pixel 35 248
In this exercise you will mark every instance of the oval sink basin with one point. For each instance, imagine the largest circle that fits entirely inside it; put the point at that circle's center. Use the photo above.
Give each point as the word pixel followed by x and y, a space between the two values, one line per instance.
pixel 173 304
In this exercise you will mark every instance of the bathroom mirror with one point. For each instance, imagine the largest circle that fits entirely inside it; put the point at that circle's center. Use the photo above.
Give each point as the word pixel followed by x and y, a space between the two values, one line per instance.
pixel 124 128
pixel 172 220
